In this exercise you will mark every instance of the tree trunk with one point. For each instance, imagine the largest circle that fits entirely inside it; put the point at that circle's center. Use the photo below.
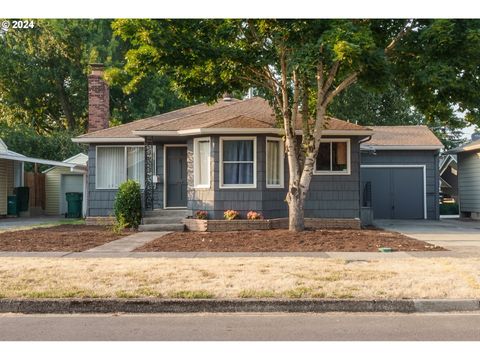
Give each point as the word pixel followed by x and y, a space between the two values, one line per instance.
pixel 66 107
pixel 296 219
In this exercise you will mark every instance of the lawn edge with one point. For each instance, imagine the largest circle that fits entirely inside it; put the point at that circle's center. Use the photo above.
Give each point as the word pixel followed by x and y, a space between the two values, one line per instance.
pixel 146 305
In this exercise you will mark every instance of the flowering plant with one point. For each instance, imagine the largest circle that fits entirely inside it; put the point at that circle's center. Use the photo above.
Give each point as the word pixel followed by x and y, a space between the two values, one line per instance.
pixel 253 215
pixel 201 214
pixel 231 214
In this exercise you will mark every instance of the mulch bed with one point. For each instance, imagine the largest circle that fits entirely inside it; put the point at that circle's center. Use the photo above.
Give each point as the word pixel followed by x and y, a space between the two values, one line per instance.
pixel 284 241
pixel 58 238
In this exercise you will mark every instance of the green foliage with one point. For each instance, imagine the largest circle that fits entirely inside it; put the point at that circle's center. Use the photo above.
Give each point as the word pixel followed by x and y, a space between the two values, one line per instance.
pixel 43 76
pixel 128 205
pixel 56 145
pixel 390 106
pixel 434 62
pixel 449 209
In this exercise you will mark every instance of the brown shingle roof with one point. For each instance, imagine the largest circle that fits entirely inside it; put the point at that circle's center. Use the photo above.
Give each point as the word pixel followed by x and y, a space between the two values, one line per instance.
pixel 250 113
pixel 410 135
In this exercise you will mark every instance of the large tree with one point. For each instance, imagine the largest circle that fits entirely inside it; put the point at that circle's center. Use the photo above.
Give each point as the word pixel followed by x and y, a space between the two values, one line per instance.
pixel 303 65
pixel 43 76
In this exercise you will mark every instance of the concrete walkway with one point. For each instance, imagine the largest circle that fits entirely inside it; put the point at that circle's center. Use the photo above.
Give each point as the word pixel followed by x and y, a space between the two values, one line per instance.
pixel 128 243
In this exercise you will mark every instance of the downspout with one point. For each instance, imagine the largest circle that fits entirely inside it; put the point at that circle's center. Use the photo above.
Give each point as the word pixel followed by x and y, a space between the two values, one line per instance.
pixel 368 138
pixel 437 188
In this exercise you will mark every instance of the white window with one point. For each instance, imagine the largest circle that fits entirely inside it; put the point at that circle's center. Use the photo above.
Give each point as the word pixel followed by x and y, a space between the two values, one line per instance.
pixel 274 162
pixel 333 157
pixel 201 162
pixel 115 164
pixel 238 162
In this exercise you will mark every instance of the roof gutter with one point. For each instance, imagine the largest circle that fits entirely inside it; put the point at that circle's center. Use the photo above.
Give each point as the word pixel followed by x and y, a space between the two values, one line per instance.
pixel 109 140
pixel 401 147
pixel 213 131
pixel 37 161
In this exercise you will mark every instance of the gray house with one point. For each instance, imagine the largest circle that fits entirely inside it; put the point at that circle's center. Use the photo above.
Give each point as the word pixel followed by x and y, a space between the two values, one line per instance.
pixel 230 155
pixel 468 163
pixel 399 173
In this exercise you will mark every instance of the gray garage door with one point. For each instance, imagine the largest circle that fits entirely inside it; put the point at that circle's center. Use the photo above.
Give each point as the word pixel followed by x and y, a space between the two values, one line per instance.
pixel 396 193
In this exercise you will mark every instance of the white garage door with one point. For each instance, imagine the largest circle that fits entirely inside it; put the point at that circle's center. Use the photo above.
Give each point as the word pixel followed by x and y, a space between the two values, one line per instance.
pixel 70 183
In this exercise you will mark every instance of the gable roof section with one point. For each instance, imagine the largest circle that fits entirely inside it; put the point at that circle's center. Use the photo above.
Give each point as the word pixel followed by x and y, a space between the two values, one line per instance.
pixel 252 115
pixel 79 159
pixel 409 137
pixel 470 146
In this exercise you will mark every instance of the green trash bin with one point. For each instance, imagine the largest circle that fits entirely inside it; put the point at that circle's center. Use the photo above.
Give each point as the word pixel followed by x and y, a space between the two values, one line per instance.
pixel 12 208
pixel 23 193
pixel 74 204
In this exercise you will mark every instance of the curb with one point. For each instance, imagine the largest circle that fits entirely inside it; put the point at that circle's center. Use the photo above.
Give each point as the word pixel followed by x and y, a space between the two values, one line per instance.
pixel 85 306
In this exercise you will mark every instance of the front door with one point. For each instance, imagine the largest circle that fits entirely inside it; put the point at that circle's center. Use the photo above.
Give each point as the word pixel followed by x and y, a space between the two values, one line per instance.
pixel 176 176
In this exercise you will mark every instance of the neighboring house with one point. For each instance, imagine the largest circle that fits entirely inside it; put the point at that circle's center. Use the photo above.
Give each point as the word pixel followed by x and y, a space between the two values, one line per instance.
pixel 230 155
pixel 12 172
pixel 11 175
pixel 59 180
pixel 400 173
pixel 449 177
pixel 468 158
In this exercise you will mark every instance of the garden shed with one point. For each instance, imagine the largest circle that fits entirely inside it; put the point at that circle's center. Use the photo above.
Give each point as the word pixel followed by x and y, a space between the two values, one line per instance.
pixel 59 180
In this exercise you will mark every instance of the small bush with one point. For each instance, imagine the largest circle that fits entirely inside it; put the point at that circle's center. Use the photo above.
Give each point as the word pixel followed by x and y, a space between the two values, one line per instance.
pixel 201 215
pixel 449 209
pixel 231 215
pixel 253 215
pixel 128 205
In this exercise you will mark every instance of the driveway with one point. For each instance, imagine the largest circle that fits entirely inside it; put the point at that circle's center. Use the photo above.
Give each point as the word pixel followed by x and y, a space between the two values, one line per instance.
pixel 452 234
pixel 22 222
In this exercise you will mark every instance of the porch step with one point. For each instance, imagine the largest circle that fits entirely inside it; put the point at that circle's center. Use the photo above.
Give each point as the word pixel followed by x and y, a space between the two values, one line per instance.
pixel 162 227
pixel 167 213
pixel 162 220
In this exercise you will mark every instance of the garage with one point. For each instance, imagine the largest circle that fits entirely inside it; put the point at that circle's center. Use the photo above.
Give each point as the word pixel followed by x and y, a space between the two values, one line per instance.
pixel 59 180
pixel 400 174
pixel 396 192
pixel 70 183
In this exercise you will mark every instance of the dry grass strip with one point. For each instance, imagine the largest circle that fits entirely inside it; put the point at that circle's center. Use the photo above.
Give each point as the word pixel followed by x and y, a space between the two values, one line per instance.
pixel 239 278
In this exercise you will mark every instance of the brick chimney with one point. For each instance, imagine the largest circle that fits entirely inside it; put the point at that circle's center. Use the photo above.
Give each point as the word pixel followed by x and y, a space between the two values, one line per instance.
pixel 98 99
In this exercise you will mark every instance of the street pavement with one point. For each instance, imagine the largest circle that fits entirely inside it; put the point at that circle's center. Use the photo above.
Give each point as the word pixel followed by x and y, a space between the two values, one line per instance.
pixel 279 326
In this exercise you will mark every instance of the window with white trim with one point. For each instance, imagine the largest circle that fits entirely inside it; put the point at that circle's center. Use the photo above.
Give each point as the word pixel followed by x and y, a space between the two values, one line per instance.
pixel 201 162
pixel 238 162
pixel 274 163
pixel 333 157
pixel 115 164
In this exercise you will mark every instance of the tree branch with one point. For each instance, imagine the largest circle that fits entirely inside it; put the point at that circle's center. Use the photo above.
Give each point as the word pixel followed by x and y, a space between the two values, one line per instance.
pixel 404 31
pixel 349 80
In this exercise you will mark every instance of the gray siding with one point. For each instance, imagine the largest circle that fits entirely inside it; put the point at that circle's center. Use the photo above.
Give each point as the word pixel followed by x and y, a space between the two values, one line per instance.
pixel 329 196
pixel 469 181
pixel 412 157
pixel 100 202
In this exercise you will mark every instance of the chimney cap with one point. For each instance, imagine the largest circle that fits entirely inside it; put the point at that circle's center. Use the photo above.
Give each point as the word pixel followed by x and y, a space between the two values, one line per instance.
pixel 97 68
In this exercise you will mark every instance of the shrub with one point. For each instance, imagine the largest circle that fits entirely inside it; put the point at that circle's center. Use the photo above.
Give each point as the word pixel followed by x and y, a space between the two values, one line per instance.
pixel 201 214
pixel 449 209
pixel 231 215
pixel 128 204
pixel 253 215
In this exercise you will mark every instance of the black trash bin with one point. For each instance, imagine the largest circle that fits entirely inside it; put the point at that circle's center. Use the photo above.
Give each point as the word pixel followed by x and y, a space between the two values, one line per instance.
pixel 74 204
pixel 23 194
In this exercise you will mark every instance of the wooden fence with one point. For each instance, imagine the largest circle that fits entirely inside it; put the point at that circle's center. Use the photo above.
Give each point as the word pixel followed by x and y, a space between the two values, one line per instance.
pixel 36 183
